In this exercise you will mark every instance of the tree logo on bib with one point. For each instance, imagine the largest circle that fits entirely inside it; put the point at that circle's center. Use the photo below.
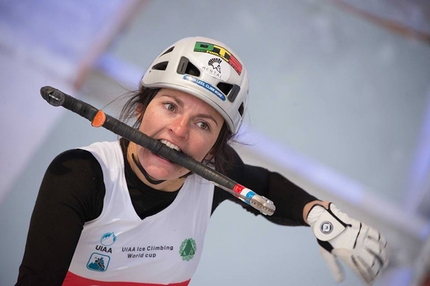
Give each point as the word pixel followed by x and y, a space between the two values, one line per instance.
pixel 187 249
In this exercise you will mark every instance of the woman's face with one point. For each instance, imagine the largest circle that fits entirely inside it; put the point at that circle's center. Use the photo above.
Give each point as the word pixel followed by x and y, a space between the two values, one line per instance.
pixel 182 122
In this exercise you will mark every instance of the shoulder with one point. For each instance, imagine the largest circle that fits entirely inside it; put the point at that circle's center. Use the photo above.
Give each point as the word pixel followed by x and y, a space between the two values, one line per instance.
pixel 74 158
pixel 74 179
pixel 75 170
pixel 75 164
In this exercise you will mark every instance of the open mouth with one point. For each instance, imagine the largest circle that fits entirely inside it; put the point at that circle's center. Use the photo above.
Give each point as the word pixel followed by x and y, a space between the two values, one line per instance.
pixel 170 145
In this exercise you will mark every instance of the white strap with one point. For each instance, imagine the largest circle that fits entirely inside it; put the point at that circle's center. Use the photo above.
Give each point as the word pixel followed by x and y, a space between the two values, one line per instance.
pixel 324 225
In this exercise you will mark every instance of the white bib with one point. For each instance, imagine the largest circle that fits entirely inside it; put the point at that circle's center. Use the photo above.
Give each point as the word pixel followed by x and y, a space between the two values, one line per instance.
pixel 161 249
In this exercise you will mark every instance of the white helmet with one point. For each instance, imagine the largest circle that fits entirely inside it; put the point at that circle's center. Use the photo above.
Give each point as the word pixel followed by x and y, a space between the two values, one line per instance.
pixel 207 69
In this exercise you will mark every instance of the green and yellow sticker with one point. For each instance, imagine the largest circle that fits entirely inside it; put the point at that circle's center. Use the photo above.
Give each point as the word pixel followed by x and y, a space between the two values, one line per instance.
pixel 219 51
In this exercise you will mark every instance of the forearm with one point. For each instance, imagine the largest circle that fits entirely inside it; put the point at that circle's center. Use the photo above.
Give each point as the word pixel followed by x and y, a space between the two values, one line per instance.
pixel 50 245
pixel 289 199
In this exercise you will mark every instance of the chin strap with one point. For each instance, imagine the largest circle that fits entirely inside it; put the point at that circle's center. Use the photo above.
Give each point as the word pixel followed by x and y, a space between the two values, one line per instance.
pixel 143 171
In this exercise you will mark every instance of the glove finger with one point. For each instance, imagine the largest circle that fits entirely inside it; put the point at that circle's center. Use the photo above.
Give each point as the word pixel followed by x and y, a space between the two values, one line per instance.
pixel 363 270
pixel 383 252
pixel 379 261
pixel 357 264
pixel 376 246
pixel 376 236
pixel 372 255
pixel 384 257
pixel 369 260
pixel 333 264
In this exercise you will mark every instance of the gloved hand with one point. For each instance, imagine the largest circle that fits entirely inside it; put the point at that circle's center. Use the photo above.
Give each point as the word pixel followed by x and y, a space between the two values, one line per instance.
pixel 359 246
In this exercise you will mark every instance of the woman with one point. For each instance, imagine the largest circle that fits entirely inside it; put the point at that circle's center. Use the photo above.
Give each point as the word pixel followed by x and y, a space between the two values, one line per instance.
pixel 116 212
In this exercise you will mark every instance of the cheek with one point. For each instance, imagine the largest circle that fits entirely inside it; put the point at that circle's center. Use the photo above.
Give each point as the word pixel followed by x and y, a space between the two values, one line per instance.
pixel 203 146
pixel 148 121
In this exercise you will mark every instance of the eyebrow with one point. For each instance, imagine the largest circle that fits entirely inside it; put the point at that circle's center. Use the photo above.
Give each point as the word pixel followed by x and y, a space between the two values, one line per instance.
pixel 182 104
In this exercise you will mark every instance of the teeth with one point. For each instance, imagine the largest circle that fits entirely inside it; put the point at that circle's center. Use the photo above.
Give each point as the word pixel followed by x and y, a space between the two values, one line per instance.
pixel 170 145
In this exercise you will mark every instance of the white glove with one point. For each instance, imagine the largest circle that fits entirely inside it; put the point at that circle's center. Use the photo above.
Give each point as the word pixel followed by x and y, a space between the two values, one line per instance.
pixel 359 246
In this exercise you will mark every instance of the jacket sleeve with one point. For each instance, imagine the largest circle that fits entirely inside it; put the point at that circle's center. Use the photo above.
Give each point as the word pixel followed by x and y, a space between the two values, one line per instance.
pixel 288 198
pixel 71 193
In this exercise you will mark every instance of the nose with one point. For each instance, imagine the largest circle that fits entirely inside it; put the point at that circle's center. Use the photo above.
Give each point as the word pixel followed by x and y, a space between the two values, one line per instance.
pixel 180 127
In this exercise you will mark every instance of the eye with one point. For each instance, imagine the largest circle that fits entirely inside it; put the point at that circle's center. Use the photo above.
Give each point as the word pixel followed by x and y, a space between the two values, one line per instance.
pixel 203 125
pixel 170 106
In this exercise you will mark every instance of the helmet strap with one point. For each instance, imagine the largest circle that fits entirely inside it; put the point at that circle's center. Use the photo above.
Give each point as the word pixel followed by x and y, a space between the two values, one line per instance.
pixel 145 174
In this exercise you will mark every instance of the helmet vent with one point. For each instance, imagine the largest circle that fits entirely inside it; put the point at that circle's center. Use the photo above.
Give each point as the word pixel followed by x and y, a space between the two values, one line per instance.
pixel 241 109
pixel 161 66
pixel 224 87
pixel 231 90
pixel 185 67
pixel 168 51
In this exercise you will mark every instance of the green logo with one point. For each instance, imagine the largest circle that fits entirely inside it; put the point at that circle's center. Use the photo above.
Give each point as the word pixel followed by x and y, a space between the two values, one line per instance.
pixel 187 249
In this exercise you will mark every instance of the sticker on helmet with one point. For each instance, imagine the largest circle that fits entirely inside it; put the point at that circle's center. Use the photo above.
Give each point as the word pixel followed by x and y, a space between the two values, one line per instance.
pixel 205 85
pixel 219 51
pixel 214 66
